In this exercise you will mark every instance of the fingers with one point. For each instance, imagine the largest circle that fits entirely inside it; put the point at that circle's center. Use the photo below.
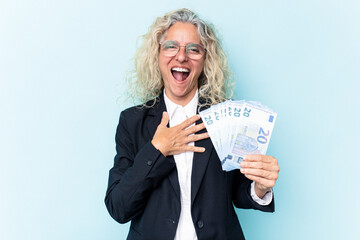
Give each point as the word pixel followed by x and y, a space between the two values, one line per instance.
pixel 265 174
pixel 189 121
pixel 260 158
pixel 258 161
pixel 260 165
pixel 263 181
pixel 194 129
pixel 188 148
pixel 175 140
pixel 185 148
pixel 196 137
pixel 164 119
pixel 262 169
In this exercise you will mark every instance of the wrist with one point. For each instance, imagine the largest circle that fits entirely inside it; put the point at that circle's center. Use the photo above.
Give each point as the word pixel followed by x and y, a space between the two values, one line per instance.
pixel 158 147
pixel 261 190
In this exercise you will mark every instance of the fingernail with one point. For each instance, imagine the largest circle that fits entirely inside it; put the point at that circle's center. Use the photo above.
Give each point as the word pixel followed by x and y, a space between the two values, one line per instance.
pixel 203 149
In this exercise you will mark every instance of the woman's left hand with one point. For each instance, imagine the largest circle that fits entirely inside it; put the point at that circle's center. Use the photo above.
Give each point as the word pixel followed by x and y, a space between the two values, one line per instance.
pixel 263 170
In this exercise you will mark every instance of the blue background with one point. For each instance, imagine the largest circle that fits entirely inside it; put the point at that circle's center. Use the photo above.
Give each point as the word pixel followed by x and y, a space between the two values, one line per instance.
pixel 62 70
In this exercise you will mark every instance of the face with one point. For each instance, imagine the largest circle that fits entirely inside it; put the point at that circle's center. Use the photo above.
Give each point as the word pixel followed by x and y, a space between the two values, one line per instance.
pixel 180 73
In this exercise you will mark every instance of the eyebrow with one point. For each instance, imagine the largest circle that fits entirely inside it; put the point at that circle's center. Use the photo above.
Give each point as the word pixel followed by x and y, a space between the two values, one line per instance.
pixel 181 44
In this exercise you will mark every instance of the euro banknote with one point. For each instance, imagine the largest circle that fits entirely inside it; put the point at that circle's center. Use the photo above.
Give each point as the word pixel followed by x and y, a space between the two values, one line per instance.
pixel 238 128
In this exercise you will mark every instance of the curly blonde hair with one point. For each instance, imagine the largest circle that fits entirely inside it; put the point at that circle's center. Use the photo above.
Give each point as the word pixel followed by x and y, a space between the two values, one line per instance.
pixel 145 81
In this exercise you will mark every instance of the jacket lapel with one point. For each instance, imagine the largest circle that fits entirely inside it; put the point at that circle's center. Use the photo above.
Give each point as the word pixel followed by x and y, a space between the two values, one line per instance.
pixel 200 160
pixel 156 111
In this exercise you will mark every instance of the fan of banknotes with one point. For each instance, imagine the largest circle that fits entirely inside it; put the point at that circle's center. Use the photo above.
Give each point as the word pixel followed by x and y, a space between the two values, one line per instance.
pixel 238 128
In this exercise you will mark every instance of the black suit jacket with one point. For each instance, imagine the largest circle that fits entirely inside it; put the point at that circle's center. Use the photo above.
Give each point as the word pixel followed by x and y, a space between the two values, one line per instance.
pixel 144 189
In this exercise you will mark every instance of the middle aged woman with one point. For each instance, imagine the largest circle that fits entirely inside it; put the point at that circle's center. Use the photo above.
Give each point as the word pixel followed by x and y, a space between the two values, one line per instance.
pixel 167 178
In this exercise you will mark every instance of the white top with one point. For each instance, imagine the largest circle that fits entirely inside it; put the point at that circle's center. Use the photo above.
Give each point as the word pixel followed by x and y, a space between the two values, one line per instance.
pixel 178 114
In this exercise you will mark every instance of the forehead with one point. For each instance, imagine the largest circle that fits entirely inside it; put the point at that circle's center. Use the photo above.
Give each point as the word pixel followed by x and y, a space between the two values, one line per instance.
pixel 183 33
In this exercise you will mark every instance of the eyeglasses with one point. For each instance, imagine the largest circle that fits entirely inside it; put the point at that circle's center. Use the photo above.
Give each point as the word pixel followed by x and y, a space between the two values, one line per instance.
pixel 171 48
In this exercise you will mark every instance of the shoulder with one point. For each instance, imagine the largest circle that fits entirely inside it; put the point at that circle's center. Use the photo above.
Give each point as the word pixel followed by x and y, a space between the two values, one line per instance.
pixel 133 111
pixel 140 111
pixel 137 120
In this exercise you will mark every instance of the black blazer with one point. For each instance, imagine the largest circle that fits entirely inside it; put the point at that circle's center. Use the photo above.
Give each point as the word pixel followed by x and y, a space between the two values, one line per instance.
pixel 144 189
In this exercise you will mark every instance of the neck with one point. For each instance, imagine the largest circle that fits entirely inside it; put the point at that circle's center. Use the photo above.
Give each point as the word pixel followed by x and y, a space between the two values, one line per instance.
pixel 182 101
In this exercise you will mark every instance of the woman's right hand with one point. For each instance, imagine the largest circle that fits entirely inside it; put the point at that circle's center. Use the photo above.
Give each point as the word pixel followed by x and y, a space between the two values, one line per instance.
pixel 174 140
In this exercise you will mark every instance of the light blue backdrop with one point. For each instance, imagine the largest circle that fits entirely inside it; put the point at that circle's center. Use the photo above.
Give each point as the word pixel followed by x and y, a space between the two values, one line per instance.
pixel 62 69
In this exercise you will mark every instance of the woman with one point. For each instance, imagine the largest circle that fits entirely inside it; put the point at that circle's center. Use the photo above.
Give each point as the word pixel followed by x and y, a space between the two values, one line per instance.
pixel 167 178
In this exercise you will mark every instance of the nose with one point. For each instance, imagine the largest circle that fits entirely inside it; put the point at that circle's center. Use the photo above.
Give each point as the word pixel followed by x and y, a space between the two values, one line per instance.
pixel 181 56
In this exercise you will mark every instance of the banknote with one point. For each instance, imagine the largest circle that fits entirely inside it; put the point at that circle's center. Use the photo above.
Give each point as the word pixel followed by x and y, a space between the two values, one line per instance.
pixel 208 119
pixel 238 128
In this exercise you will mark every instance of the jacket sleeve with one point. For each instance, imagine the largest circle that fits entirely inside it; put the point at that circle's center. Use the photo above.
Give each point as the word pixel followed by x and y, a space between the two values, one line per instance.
pixel 242 197
pixel 135 173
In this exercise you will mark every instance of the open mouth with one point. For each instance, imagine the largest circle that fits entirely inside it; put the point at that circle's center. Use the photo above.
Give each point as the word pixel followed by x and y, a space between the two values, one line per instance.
pixel 180 74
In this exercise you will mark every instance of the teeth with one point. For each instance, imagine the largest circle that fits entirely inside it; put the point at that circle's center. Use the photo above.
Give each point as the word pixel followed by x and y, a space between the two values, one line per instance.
pixel 180 69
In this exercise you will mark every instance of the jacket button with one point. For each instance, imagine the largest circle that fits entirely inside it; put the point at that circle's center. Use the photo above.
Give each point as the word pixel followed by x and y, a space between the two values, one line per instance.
pixel 200 224
pixel 149 162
